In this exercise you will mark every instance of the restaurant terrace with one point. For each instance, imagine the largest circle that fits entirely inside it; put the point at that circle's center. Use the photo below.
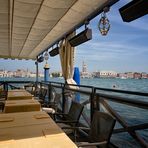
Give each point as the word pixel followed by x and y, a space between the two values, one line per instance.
pixel 51 114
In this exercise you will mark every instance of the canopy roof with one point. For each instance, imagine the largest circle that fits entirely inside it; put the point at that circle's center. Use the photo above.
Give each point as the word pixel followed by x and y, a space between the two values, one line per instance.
pixel 28 27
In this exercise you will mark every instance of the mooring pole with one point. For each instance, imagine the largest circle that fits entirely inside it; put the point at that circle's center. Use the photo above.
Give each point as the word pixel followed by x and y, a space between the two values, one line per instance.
pixel 46 72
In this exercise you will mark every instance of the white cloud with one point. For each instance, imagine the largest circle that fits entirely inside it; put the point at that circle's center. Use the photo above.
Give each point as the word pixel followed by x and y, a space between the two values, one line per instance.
pixel 108 51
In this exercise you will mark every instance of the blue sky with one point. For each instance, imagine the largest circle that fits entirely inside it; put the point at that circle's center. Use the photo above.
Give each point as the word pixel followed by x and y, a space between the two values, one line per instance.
pixel 125 48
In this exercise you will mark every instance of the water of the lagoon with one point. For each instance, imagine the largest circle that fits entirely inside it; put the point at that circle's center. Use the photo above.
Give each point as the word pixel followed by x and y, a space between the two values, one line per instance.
pixel 140 85
pixel 132 115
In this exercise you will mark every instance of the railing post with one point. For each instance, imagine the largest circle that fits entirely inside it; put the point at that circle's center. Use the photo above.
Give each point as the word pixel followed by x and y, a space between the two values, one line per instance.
pixel 63 98
pixel 37 71
pixel 97 102
pixel 49 92
pixel 92 103
pixel 5 86
pixel 40 84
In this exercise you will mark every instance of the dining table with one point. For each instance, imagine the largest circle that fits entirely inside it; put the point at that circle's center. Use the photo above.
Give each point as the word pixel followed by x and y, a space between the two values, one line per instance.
pixel 21 106
pixel 32 130
pixel 19 94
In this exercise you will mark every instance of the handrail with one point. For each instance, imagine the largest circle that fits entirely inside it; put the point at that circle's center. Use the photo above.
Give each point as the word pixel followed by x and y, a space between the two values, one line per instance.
pixel 17 81
pixel 105 89
pixel 97 88
pixel 131 102
pixel 137 103
pixel 122 91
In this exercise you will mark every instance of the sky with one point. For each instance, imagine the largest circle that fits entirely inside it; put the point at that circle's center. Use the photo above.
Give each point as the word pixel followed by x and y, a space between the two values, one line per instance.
pixel 124 49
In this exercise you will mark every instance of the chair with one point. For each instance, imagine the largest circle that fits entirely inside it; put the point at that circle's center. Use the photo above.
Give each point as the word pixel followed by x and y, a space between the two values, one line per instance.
pixel 13 87
pixel 51 98
pixel 99 132
pixel 71 118
pixel 36 91
pixel 3 97
pixel 52 107
pixel 54 100
pixel 30 88
pixel 42 95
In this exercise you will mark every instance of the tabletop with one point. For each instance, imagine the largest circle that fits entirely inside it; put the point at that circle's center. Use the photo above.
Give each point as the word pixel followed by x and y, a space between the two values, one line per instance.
pixel 18 95
pixel 41 131
pixel 21 106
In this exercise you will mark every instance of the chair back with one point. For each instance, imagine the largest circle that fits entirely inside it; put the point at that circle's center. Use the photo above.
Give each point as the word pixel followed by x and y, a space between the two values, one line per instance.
pixel 75 111
pixel 56 102
pixel 42 93
pixel 3 95
pixel 52 94
pixel 57 98
pixel 101 127
pixel 37 91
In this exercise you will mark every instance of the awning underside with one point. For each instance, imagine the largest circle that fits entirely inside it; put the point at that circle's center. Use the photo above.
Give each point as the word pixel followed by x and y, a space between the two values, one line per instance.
pixel 27 27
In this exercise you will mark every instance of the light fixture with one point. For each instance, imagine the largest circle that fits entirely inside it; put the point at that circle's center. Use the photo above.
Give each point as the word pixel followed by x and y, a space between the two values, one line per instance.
pixel 40 59
pixel 104 24
pixel 46 56
pixel 54 51
pixel 82 37
pixel 134 10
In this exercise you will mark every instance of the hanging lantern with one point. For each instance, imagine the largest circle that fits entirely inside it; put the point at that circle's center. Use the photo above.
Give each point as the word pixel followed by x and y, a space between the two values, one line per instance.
pixel 46 56
pixel 104 24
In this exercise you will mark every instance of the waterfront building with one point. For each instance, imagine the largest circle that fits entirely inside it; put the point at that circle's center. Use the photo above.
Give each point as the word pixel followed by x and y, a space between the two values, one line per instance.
pixel 144 75
pixel 1 73
pixel 130 75
pixel 85 73
pixel 32 75
pixel 10 74
pixel 137 75
pixel 20 73
pixel 41 75
pixel 96 74
pixel 4 73
pixel 84 67
pixel 108 74
pixel 122 75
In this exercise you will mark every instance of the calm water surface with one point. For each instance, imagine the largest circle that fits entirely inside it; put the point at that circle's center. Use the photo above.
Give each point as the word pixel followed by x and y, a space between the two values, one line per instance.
pixel 140 85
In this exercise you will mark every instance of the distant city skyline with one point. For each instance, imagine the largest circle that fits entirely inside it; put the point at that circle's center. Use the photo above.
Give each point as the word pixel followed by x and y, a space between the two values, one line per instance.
pixel 20 73
pixel 124 49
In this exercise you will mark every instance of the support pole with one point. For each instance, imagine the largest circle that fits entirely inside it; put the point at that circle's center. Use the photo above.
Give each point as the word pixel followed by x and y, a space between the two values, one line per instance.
pixel 46 72
pixel 37 71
